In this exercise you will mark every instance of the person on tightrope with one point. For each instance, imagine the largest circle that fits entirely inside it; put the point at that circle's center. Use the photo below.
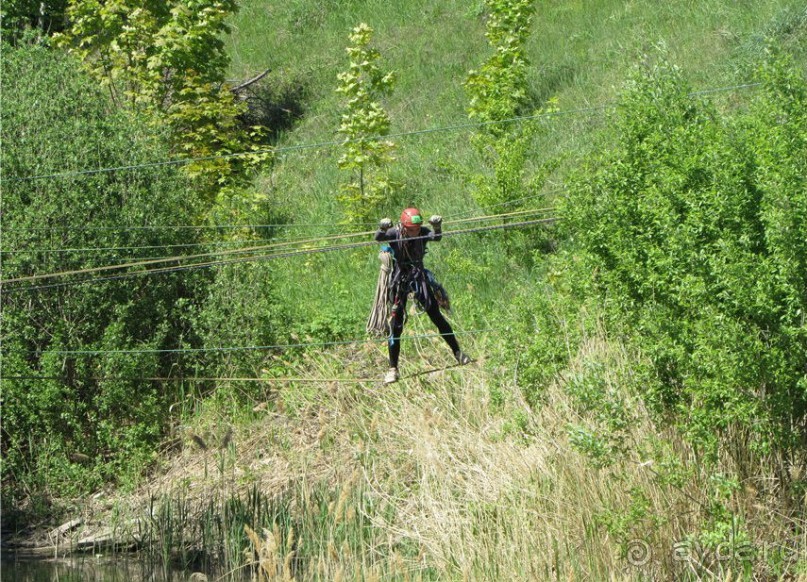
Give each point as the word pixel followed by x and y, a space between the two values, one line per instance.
pixel 408 243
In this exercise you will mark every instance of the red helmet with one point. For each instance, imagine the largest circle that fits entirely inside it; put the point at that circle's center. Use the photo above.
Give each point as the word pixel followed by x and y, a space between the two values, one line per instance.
pixel 410 218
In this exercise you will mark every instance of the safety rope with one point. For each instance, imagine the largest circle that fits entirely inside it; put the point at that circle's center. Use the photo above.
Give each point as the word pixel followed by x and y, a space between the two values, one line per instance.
pixel 379 313
pixel 264 379
pixel 230 243
pixel 255 257
pixel 330 144
pixel 269 347
pixel 267 379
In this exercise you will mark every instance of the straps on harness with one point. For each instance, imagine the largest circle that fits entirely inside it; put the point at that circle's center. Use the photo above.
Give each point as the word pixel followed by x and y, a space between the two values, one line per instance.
pixel 439 292
pixel 422 285
pixel 410 277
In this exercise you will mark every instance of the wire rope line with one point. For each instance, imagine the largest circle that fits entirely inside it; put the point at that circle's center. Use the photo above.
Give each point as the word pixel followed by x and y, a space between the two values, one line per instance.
pixel 250 249
pixel 715 90
pixel 176 226
pixel 266 257
pixel 301 147
pixel 237 242
pixel 264 379
pixel 226 226
pixel 503 215
pixel 457 216
pixel 151 262
pixel 267 379
pixel 131 248
pixel 270 347
pixel 334 143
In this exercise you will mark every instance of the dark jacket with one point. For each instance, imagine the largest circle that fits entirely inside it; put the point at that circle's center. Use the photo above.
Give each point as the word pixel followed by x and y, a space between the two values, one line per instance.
pixel 408 252
pixel 408 273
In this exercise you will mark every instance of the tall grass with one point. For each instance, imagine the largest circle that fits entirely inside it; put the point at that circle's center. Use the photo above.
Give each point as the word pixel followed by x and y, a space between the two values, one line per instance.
pixel 449 474
pixel 428 479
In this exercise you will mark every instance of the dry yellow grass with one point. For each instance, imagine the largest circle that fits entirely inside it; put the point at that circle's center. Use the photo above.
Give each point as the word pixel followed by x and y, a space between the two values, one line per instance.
pixel 471 496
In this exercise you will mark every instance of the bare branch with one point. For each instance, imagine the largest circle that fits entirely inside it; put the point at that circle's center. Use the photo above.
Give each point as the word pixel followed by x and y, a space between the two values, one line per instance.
pixel 246 84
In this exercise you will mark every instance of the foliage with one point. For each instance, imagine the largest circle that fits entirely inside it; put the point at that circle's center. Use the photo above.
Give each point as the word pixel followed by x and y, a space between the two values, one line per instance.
pixel 364 123
pixel 239 311
pixel 498 93
pixel 167 60
pixel 82 410
pixel 637 522
pixel 579 51
pixel 696 229
pixel 17 17
pixel 551 322
pixel 604 412
pixel 498 90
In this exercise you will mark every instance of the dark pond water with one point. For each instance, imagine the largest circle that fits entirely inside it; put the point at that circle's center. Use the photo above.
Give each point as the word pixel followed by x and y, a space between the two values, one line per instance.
pixel 91 569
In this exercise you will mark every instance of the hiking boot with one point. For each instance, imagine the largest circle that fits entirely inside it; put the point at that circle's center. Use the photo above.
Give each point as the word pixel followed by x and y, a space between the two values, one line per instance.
pixel 462 358
pixel 391 376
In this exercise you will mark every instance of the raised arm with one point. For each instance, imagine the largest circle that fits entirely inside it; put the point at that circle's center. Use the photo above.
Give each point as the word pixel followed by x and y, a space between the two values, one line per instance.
pixel 385 231
pixel 437 224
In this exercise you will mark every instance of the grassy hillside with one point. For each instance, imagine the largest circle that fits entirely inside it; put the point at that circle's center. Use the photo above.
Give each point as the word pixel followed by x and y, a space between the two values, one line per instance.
pixel 581 55
pixel 554 455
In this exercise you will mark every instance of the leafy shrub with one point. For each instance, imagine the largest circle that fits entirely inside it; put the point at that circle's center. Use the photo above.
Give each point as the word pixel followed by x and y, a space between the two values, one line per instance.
pixel 695 227
pixel 78 405
pixel 239 311
pixel 549 323
pixel 600 400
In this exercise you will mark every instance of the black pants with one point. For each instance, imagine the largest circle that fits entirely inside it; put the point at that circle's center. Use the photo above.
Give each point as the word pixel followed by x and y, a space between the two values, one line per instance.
pixel 397 324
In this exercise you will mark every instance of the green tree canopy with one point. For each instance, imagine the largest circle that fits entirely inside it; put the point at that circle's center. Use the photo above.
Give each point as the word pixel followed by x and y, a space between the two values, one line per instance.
pixel 46 17
pixel 167 60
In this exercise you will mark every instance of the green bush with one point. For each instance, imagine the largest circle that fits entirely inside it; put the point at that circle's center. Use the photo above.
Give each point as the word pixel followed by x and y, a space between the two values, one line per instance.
pixel 239 310
pixel 76 409
pixel 695 224
pixel 548 324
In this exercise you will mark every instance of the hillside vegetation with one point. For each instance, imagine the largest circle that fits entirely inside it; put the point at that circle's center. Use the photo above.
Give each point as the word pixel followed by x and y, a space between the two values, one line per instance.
pixel 637 407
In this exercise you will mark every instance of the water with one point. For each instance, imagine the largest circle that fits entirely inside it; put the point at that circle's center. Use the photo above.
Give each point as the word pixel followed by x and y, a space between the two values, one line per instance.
pixel 91 569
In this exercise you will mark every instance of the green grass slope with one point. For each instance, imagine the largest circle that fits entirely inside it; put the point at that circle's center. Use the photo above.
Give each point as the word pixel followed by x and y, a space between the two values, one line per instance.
pixel 581 54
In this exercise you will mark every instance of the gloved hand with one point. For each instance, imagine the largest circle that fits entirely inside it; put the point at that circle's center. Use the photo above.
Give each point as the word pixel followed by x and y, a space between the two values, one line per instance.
pixel 436 220
pixel 385 224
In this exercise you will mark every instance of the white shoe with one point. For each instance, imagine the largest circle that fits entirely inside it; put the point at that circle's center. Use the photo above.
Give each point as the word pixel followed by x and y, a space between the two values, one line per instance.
pixel 391 376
